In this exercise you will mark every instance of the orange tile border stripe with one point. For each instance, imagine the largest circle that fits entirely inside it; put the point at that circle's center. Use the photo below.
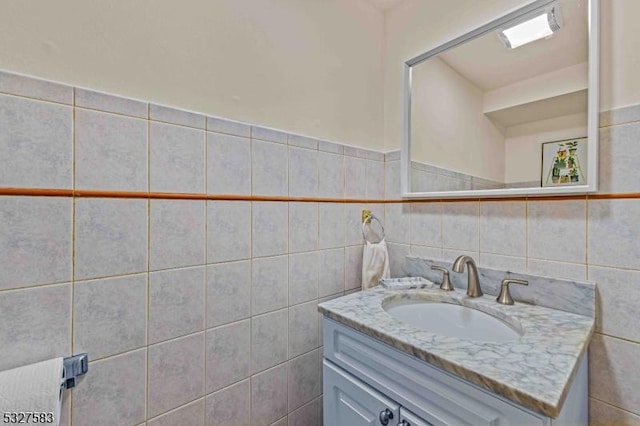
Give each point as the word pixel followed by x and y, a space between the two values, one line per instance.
pixel 81 193
pixel 48 192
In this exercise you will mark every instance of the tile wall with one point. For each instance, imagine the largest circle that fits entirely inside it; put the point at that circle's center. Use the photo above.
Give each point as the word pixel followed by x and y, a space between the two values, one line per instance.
pixel 193 312
pixel 232 286
pixel 596 240
pixel 429 178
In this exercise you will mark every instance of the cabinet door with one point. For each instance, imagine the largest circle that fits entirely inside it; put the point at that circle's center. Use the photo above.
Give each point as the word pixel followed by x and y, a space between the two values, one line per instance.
pixel 349 402
pixel 411 419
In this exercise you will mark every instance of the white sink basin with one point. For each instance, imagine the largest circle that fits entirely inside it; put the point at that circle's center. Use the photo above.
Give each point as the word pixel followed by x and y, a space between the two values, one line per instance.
pixel 453 321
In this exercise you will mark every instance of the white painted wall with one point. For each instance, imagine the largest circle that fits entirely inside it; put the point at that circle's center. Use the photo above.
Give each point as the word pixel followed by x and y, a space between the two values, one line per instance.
pixel 561 82
pixel 449 128
pixel 416 26
pixel 312 67
pixel 523 148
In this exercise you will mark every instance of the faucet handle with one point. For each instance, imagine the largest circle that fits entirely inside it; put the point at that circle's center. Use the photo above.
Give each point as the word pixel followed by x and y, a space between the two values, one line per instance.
pixel 446 283
pixel 505 297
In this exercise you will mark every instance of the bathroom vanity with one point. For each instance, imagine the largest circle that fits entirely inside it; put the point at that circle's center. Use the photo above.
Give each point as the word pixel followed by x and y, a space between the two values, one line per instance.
pixel 381 370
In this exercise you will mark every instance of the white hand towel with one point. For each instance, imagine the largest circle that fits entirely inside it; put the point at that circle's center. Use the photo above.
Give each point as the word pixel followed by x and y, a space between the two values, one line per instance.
pixel 33 388
pixel 375 264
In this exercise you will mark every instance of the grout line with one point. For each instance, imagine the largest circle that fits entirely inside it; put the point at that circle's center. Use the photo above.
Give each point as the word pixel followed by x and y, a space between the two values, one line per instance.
pixel 148 280
pixel 173 410
pixel 73 233
pixel 611 336
pixel 614 406
pixel 586 234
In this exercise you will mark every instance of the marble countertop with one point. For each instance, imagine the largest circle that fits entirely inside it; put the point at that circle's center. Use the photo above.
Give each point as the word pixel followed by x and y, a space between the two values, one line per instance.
pixel 535 371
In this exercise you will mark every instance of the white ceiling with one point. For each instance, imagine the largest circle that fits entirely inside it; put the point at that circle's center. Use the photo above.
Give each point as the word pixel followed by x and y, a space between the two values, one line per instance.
pixel 488 64
pixel 384 5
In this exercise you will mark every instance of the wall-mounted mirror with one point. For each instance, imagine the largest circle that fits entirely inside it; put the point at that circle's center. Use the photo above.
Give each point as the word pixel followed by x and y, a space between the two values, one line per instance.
pixel 508 109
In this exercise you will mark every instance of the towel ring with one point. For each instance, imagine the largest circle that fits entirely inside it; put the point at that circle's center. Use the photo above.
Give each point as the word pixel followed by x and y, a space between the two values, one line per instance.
pixel 368 221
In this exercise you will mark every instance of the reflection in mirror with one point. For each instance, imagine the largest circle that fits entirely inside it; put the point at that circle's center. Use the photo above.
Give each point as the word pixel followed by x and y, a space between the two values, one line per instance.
pixel 502 111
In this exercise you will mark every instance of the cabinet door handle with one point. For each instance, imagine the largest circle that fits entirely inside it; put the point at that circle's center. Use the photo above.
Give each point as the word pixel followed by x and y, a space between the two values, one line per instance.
pixel 385 416
pixel 404 423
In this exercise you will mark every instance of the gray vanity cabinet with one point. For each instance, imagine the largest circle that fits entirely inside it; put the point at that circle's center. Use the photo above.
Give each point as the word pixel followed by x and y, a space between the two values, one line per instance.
pixel 411 419
pixel 365 378
pixel 351 402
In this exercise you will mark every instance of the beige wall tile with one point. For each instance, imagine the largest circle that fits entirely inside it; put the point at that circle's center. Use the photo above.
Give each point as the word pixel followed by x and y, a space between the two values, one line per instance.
pixel 269 396
pixel 215 124
pixel 36 144
pixel 398 223
pixel 269 339
pixel 303 328
pixel 503 228
pixel 507 263
pixel 176 373
pixel 355 178
pixel 269 284
pixel 228 292
pixel 392 180
pixel 302 142
pixel 228 164
pixel 269 168
pixel 330 175
pixel 36 325
pixel 619 158
pixel 613 231
pixel 460 226
pixel 307 415
pixel 548 268
pixel 113 393
pixel 332 147
pixel 375 180
pixel 353 223
pixel 177 159
pixel 331 272
pixel 303 172
pixel 35 241
pixel 426 224
pixel 602 414
pixel 176 116
pixel 22 85
pixel 267 134
pixel 110 315
pixel 303 227
pixel 426 252
pixel 613 373
pixel 303 277
pixel 353 267
pixel 228 357
pixel 110 237
pixel 176 303
pixel 618 309
pixel 187 415
pixel 106 102
pixel 228 230
pixel 270 223
pixel 556 230
pixel 230 406
pixel 110 152
pixel 331 225
pixel 397 256
pixel 304 379
pixel 177 231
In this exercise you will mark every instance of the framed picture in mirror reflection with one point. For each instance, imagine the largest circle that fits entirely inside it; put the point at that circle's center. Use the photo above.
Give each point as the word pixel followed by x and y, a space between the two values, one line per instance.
pixel 564 162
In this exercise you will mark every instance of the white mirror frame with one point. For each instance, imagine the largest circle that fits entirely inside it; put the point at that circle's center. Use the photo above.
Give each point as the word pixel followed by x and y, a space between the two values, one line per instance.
pixel 593 113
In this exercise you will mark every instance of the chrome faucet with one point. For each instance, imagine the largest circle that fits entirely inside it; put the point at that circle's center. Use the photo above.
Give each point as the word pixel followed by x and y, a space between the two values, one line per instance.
pixel 473 283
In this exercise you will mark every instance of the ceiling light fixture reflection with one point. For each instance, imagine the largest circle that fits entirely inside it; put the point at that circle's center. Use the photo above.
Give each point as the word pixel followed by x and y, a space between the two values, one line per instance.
pixel 536 27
